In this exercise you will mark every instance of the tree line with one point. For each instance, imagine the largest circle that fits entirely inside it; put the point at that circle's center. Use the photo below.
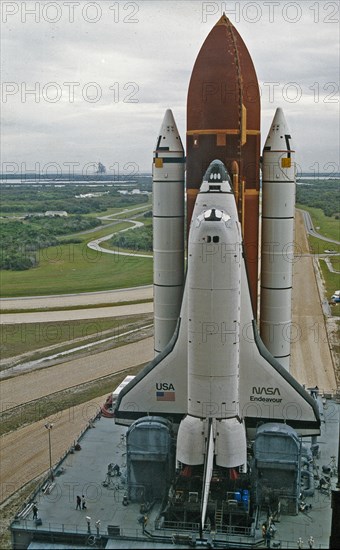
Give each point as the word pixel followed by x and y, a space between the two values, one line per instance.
pixel 134 239
pixel 323 194
pixel 20 240
pixel 28 199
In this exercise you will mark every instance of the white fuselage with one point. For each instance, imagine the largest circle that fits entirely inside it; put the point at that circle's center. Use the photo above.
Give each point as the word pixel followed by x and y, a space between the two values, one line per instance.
pixel 213 341
pixel 214 283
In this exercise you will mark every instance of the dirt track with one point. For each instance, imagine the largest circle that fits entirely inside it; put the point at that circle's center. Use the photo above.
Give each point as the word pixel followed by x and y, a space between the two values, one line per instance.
pixel 24 453
pixel 39 383
pixel 311 362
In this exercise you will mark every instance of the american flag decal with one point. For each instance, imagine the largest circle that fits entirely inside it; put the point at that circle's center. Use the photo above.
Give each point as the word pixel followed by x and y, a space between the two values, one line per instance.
pixel 165 395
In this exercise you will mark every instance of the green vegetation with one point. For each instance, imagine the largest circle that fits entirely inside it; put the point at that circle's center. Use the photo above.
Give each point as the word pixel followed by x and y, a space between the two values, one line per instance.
pixel 134 239
pixel 329 227
pixel 62 225
pixel 321 194
pixel 20 240
pixel 73 267
pixel 74 199
pixel 318 246
pixel 321 199
pixel 331 279
pixel 335 261
pixel 326 222
pixel 70 268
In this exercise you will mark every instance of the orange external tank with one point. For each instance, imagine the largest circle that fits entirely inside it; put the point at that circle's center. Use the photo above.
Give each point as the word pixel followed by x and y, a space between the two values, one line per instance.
pixel 223 122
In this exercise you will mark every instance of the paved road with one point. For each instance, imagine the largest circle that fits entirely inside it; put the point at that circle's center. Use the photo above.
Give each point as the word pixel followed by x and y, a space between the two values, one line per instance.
pixel 95 245
pixel 330 266
pixel 76 300
pixel 76 314
pixel 310 228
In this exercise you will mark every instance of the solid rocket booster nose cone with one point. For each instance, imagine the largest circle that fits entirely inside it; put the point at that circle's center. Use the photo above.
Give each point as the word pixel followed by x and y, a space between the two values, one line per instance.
pixel 168 137
pixel 279 137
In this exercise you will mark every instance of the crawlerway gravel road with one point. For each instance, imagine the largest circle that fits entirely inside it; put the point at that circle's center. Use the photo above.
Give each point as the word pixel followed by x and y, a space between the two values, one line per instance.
pixel 311 362
pixel 24 453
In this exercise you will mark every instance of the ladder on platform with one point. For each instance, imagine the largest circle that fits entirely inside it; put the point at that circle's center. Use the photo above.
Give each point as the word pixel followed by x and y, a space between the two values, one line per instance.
pixel 219 517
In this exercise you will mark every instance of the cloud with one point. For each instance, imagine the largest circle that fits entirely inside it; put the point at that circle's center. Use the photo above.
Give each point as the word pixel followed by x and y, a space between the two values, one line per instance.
pixel 96 82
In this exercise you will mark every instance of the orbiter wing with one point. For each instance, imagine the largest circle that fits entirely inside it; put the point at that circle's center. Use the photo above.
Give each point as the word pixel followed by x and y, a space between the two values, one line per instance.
pixel 220 368
pixel 268 393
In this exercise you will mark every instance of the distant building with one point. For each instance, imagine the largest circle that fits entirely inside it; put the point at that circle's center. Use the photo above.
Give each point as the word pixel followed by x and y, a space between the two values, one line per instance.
pixel 132 192
pixel 54 213
pixel 101 169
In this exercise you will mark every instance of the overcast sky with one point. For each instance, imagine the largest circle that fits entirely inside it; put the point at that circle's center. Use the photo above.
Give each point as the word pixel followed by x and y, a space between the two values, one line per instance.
pixel 88 81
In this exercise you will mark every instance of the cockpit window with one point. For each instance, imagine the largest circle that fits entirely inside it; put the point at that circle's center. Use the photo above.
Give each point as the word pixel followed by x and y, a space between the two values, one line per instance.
pixel 216 172
pixel 214 239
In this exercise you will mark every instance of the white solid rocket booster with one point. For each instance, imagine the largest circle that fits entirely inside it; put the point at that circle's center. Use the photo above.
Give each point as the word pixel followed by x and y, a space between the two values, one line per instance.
pixel 277 249
pixel 168 230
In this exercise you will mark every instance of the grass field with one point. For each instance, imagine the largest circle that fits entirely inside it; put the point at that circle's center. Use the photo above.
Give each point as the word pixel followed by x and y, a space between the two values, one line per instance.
pixel 73 268
pixel 331 279
pixel 102 231
pixel 318 246
pixel 329 227
pixel 76 268
pixel 335 261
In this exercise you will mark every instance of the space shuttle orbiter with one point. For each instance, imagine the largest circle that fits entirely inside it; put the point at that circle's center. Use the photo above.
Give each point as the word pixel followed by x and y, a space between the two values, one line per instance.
pixel 216 368
pixel 212 375
pixel 215 379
